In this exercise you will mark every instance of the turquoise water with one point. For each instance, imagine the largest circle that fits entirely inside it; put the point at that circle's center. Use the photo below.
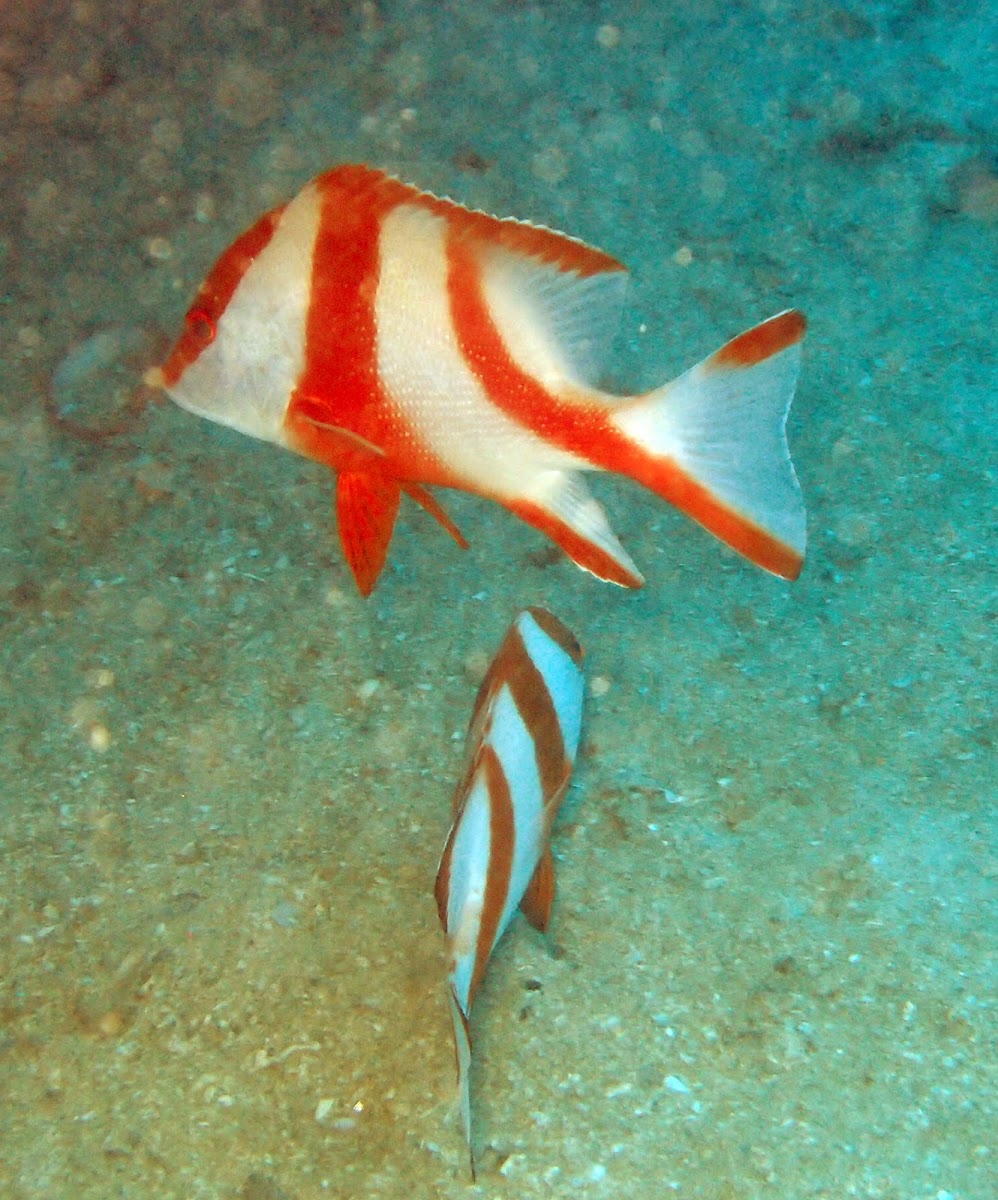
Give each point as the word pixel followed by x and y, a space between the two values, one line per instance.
pixel 771 969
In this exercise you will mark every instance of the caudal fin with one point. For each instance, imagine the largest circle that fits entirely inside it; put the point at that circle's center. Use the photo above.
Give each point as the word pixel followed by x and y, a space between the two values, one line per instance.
pixel 462 1051
pixel 715 444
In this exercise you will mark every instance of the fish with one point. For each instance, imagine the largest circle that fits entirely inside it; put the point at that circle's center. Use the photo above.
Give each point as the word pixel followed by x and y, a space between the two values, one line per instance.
pixel 520 750
pixel 410 343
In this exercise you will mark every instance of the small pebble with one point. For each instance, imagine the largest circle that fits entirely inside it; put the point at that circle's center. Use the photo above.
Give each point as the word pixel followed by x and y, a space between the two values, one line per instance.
pixel 204 208
pixel 550 165
pixel 246 95
pixel 513 1164
pixel 285 914
pixel 99 737
pixel 150 614
pixel 111 1023
pixel 713 185
pixel 159 249
pixel 285 156
pixel 856 529
pixel 475 665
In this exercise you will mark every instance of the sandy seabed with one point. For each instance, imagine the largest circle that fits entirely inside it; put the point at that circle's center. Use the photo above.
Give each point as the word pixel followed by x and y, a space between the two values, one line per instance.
pixel 772 966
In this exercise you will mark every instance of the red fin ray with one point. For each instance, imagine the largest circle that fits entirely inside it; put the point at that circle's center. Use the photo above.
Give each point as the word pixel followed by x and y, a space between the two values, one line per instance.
pixel 366 507
pixel 426 500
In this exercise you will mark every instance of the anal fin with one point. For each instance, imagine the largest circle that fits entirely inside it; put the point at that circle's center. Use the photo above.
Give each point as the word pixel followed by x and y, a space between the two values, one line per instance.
pixel 559 505
pixel 539 896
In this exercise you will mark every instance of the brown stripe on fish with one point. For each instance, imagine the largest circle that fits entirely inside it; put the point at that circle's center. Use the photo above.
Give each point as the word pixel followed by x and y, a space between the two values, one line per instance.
pixel 536 707
pixel 558 632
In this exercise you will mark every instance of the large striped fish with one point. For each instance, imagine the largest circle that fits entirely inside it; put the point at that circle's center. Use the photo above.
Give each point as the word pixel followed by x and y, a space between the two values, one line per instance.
pixel 406 341
pixel 521 745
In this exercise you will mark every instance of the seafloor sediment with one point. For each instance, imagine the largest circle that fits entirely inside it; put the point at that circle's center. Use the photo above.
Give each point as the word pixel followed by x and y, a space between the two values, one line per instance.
pixel 772 965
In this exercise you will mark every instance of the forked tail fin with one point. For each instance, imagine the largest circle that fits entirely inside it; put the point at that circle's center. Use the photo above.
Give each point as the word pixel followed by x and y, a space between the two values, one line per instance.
pixel 715 444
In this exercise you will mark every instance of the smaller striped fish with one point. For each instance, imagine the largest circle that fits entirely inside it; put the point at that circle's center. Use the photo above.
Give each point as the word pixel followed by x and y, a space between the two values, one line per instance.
pixel 522 739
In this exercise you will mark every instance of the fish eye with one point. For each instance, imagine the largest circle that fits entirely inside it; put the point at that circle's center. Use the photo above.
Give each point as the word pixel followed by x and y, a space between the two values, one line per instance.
pixel 201 325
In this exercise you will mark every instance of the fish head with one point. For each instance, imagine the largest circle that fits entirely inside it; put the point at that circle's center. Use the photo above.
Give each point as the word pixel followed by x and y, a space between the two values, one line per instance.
pixel 241 352
pixel 232 368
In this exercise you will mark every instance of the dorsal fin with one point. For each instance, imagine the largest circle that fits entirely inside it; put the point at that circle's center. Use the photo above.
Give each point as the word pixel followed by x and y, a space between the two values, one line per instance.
pixel 548 311
pixel 569 292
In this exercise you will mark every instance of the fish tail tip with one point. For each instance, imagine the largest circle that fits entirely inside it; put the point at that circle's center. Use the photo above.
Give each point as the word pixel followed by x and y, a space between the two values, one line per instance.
pixel 762 341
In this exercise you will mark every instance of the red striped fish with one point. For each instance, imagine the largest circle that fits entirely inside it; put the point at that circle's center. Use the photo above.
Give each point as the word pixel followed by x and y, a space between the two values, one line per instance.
pixel 522 739
pixel 405 341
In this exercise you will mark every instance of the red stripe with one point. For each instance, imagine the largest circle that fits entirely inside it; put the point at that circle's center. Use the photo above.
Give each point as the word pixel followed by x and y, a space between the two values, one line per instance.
pixel 586 430
pixel 201 322
pixel 581 429
pixel 513 666
pixel 339 386
pixel 749 539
